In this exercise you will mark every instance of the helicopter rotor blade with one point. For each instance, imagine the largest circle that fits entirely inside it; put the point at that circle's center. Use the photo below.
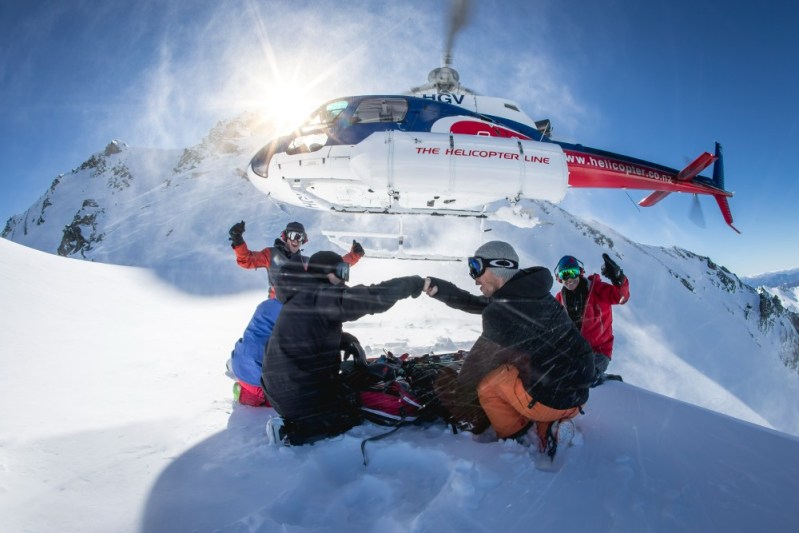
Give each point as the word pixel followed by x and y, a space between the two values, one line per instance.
pixel 458 18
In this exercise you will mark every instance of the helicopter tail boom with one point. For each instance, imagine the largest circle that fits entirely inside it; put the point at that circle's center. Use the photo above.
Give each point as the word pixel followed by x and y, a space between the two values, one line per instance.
pixel 692 171
pixel 592 168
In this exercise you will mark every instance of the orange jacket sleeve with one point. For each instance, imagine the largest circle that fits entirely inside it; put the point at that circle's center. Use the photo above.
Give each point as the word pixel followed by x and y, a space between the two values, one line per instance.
pixel 351 258
pixel 249 259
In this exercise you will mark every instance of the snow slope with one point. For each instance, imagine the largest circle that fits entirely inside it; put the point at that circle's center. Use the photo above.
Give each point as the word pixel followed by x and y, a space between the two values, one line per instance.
pixel 117 416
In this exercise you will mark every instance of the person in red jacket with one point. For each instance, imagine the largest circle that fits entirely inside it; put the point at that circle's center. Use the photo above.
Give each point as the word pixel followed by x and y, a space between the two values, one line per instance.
pixel 588 301
pixel 286 248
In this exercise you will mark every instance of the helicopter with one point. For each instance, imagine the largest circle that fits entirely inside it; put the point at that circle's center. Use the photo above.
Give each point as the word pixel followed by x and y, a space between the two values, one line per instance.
pixel 442 149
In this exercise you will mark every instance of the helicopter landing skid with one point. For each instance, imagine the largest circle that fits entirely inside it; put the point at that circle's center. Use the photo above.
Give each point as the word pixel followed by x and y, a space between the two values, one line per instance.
pixel 383 245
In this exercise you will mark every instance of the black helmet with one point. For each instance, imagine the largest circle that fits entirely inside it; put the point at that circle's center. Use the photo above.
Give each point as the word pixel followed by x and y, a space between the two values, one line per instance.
pixel 323 263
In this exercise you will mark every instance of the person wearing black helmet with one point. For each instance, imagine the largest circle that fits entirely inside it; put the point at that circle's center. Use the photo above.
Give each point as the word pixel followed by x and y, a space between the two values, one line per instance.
pixel 286 248
pixel 247 356
pixel 301 366
pixel 588 301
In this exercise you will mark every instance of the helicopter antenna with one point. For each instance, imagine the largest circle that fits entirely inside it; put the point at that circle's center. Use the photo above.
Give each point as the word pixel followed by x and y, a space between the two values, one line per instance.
pixel 446 79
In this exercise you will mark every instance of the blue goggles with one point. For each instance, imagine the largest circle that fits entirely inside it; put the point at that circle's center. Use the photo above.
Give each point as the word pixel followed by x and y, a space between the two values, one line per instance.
pixel 478 265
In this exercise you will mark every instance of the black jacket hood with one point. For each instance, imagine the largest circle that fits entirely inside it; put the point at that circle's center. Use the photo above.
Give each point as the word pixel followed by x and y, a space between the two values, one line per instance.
pixel 535 282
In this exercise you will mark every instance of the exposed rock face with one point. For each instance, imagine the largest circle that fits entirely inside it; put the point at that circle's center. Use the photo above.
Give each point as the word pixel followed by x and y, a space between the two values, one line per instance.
pixel 82 234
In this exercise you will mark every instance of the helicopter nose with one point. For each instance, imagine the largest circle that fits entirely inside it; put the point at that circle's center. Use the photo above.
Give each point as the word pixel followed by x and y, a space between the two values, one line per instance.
pixel 260 161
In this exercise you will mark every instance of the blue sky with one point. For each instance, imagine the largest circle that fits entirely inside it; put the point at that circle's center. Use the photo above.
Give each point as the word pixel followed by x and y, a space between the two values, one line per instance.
pixel 660 80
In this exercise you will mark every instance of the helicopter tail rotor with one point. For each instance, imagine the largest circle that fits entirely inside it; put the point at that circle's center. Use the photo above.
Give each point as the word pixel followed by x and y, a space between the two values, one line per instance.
pixel 696 215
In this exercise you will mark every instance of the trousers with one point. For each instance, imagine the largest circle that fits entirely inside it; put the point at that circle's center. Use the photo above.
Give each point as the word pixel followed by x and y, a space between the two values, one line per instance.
pixel 507 404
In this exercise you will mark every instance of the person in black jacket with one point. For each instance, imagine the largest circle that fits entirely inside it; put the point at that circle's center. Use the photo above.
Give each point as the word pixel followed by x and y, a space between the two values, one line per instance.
pixel 530 364
pixel 301 364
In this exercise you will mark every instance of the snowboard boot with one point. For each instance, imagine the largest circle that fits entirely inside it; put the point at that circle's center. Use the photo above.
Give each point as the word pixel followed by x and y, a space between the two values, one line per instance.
pixel 564 430
pixel 559 435
pixel 601 378
pixel 276 432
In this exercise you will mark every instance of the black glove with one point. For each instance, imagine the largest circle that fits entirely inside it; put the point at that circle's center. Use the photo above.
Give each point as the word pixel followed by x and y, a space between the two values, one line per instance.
pixel 350 347
pixel 612 271
pixel 417 284
pixel 357 249
pixel 407 286
pixel 396 289
pixel 236 232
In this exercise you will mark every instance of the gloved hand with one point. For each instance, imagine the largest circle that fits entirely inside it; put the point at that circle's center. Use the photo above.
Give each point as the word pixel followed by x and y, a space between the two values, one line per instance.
pixel 612 271
pixel 351 347
pixel 235 233
pixel 429 288
pixel 357 249
pixel 415 284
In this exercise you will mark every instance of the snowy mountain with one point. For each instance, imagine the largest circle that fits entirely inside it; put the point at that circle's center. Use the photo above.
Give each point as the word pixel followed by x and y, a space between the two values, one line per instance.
pixel 783 284
pixel 169 212
pixel 783 278
pixel 117 416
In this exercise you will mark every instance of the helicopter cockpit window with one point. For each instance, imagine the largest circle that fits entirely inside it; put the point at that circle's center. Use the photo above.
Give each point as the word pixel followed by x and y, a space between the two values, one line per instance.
pixel 324 116
pixel 313 134
pixel 381 110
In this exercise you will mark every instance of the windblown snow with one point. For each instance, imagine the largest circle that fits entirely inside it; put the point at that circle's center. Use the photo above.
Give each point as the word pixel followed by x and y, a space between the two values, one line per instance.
pixel 117 416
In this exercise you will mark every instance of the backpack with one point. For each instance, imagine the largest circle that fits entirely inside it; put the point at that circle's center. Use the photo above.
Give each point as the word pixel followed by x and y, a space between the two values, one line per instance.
pixel 402 390
pixel 399 391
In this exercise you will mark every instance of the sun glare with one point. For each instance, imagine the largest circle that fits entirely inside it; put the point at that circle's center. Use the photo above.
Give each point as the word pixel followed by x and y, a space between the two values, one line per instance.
pixel 289 105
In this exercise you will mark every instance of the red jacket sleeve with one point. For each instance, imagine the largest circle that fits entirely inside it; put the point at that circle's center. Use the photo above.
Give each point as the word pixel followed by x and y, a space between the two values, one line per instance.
pixel 611 294
pixel 248 259
pixel 351 258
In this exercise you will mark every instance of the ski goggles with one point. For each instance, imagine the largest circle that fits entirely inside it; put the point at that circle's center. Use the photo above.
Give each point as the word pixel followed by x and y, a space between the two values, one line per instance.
pixel 568 273
pixel 342 271
pixel 478 265
pixel 295 235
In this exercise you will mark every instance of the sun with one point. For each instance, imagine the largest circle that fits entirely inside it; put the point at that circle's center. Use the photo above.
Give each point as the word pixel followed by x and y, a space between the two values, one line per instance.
pixel 287 105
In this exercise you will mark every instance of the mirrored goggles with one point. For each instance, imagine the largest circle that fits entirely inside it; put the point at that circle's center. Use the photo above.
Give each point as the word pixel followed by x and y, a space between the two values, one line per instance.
pixel 568 273
pixel 295 235
pixel 343 271
pixel 478 265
